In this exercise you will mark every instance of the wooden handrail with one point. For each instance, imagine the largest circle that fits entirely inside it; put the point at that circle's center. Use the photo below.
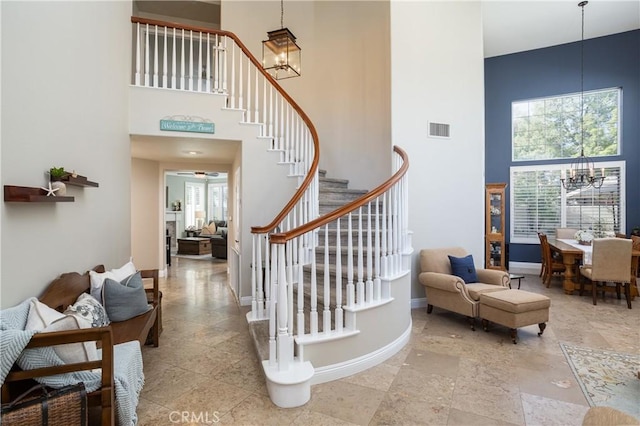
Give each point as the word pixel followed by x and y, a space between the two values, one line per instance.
pixel 283 237
pixel 314 134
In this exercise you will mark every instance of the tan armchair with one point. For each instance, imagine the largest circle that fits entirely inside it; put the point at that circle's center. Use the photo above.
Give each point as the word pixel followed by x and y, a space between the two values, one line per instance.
pixel 450 292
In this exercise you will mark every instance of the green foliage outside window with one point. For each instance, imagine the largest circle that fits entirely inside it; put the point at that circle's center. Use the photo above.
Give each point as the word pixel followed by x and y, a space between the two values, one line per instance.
pixel 550 128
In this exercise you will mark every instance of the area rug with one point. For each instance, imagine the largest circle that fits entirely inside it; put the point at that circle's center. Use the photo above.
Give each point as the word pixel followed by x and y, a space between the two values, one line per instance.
pixel 607 378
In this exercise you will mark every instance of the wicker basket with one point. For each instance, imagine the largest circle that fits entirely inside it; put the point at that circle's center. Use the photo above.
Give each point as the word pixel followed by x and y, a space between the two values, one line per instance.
pixel 66 406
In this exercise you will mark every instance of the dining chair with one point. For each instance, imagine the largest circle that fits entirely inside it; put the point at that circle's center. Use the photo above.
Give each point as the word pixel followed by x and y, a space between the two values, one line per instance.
pixel 566 233
pixel 550 264
pixel 610 262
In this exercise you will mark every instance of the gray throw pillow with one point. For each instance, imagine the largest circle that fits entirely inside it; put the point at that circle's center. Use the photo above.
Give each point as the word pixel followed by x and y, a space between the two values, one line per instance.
pixel 125 299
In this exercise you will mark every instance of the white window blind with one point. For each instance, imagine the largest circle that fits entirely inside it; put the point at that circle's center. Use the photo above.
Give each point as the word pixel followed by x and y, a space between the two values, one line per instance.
pixel 194 201
pixel 539 203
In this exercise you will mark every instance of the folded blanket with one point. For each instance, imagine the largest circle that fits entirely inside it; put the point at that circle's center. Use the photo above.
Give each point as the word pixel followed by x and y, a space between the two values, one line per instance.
pixel 13 337
pixel 127 364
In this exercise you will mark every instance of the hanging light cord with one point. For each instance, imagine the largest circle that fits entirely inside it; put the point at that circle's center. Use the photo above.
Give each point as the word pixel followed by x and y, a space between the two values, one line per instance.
pixel 282 16
pixel 582 5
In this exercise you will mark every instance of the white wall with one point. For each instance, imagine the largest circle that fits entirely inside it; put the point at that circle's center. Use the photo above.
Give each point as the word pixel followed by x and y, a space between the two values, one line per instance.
pixel 437 75
pixel 345 82
pixel 65 76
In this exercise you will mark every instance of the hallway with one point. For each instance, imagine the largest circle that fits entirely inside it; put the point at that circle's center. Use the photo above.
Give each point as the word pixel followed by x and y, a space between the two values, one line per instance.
pixel 206 370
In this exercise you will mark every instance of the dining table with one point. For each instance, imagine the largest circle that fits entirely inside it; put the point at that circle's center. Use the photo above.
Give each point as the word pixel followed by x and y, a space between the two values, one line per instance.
pixel 573 253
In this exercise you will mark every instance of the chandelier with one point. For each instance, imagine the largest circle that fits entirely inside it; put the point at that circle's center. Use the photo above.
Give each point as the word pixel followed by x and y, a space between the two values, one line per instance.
pixel 582 172
pixel 280 53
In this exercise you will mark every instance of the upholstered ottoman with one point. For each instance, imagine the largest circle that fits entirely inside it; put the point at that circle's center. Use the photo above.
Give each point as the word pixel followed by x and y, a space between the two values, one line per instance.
pixel 514 309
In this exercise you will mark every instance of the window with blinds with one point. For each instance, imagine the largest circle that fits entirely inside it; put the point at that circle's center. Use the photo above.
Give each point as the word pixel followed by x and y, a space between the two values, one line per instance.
pixel 194 201
pixel 539 202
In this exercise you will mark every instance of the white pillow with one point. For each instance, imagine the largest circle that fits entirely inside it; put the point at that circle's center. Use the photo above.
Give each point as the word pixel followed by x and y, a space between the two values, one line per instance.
pixel 40 316
pixel 119 274
pixel 89 309
pixel 72 352
pixel 44 319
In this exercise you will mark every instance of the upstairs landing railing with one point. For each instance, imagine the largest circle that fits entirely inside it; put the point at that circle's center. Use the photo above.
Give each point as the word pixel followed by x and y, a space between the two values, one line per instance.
pixel 187 58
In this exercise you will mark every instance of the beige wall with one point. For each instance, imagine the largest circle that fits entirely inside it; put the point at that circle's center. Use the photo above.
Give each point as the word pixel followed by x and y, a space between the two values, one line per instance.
pixel 65 76
pixel 146 218
pixel 345 82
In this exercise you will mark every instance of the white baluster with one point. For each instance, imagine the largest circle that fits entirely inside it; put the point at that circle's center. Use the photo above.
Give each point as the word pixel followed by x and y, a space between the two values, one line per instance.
pixel 232 90
pixel 240 84
pixel 282 305
pixel 339 318
pixel 376 280
pixel 383 236
pixel 216 64
pixel 254 301
pixel 164 60
pixel 173 61
pixel 313 318
pixel 264 107
pixel 360 291
pixel 350 287
pixel 300 293
pixel 155 59
pixel 191 60
pixel 182 63
pixel 266 275
pixel 137 77
pixel 271 108
pixel 224 66
pixel 146 57
pixel 256 103
pixel 258 267
pixel 326 313
pixel 200 63
pixel 369 283
pixel 273 352
pixel 289 269
pixel 247 113
pixel 208 83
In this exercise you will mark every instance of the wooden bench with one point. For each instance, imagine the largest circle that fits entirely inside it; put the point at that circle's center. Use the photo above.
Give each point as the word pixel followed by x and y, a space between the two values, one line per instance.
pixel 61 293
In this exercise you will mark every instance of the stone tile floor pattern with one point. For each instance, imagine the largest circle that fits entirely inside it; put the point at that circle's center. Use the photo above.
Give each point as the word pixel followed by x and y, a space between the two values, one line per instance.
pixel 207 370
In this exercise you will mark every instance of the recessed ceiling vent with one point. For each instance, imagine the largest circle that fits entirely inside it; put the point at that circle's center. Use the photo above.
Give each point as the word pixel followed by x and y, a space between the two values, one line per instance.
pixel 439 130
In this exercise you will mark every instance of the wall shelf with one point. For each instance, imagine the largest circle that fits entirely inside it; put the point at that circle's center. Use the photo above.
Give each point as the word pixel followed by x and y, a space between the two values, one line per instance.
pixel 79 181
pixel 27 194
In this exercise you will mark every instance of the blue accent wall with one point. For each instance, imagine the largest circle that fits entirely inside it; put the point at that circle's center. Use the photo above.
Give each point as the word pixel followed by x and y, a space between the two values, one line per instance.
pixel 611 61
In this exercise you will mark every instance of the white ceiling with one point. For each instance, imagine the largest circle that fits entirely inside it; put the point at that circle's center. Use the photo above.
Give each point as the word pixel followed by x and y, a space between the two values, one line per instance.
pixel 519 25
pixel 508 27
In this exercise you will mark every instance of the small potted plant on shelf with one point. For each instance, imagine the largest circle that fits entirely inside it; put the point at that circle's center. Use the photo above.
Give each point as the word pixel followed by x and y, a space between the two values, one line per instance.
pixel 56 174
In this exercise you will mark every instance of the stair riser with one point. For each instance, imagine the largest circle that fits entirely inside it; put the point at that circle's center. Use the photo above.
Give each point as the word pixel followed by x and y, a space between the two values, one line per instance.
pixel 330 184
pixel 343 197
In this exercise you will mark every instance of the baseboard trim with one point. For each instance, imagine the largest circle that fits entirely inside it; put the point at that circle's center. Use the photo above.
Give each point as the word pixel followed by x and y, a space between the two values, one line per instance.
pixel 353 366
pixel 419 303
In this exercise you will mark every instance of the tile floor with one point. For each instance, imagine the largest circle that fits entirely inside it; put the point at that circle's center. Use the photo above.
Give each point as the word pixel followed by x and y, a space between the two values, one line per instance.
pixel 206 368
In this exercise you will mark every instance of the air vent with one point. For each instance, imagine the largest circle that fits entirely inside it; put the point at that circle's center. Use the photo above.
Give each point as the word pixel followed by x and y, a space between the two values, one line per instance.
pixel 439 130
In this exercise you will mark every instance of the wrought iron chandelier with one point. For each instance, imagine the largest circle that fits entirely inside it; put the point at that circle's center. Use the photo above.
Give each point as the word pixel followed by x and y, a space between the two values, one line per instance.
pixel 280 53
pixel 582 172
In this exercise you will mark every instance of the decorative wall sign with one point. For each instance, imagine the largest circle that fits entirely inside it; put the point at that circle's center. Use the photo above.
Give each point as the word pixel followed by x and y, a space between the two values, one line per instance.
pixel 185 123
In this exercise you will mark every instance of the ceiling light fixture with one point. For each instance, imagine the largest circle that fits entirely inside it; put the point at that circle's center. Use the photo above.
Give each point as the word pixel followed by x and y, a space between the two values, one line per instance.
pixel 280 53
pixel 582 173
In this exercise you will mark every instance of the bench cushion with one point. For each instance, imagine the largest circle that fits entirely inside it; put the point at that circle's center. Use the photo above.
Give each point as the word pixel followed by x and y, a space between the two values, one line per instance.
pixel 515 301
pixel 476 289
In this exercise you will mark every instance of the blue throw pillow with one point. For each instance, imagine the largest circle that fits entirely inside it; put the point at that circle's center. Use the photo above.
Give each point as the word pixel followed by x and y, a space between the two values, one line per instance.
pixel 464 268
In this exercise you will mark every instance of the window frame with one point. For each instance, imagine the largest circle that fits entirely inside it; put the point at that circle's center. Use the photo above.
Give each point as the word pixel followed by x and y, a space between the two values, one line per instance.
pixel 560 97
